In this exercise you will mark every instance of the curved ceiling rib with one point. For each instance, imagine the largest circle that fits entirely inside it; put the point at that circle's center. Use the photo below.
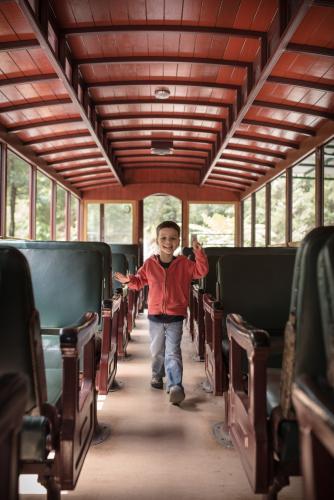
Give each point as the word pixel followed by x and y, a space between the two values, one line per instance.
pixel 247 86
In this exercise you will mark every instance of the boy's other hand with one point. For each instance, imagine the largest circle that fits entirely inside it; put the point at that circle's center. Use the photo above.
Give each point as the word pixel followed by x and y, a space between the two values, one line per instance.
pixel 196 244
pixel 121 278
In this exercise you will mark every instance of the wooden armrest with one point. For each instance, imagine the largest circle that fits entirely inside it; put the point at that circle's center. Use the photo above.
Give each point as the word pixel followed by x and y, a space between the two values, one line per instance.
pixel 246 335
pixel 211 304
pixel 77 335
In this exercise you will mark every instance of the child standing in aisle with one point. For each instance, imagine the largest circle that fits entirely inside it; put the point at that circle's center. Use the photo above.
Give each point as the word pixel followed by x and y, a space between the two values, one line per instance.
pixel 169 279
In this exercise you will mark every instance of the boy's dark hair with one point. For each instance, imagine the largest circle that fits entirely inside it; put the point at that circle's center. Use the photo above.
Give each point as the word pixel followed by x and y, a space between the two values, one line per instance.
pixel 168 223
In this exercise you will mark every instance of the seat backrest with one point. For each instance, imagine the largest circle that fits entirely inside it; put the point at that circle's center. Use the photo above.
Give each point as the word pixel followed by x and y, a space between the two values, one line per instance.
pixel 212 282
pixel 305 305
pixel 67 280
pixel 99 246
pixel 257 286
pixel 304 351
pixel 326 299
pixel 21 349
pixel 121 265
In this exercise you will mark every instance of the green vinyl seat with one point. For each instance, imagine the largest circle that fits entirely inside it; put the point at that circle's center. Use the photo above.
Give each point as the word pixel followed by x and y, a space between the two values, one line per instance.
pixel 53 416
pixel 313 389
pixel 263 427
pixel 87 268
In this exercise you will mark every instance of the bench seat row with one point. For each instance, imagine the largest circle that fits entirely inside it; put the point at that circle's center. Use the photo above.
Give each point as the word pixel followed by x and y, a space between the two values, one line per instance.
pixel 253 359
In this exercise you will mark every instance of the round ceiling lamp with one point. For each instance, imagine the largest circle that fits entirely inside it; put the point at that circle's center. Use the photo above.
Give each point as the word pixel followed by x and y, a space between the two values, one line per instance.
pixel 162 93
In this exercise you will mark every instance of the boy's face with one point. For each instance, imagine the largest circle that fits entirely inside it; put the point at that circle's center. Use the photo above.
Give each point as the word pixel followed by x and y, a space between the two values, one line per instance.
pixel 168 240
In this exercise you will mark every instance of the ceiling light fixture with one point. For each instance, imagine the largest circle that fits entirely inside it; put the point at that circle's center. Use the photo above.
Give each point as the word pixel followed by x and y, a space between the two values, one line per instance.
pixel 162 93
pixel 162 148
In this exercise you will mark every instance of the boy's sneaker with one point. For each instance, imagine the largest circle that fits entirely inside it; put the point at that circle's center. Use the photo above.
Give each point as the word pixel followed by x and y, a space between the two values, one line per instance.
pixel 157 382
pixel 176 394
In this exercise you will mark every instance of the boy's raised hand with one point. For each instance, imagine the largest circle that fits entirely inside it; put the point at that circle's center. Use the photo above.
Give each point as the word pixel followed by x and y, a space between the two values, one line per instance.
pixel 121 278
pixel 196 244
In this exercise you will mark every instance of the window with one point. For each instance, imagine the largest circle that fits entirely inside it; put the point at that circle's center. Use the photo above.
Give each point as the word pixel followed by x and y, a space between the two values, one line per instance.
pixel 118 219
pixel 277 210
pixel 213 223
pixel 329 183
pixel 303 197
pixel 75 206
pixel 93 222
pixel 60 214
pixel 17 197
pixel 157 208
pixel 247 222
pixel 260 218
pixel 43 207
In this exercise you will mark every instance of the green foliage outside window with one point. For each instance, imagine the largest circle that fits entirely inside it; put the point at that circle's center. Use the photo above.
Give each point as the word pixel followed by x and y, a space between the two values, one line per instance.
pixel 277 210
pixel 158 208
pixel 43 207
pixel 329 183
pixel 213 223
pixel 260 218
pixel 93 222
pixel 303 197
pixel 60 214
pixel 17 197
pixel 74 218
pixel 118 220
pixel 247 222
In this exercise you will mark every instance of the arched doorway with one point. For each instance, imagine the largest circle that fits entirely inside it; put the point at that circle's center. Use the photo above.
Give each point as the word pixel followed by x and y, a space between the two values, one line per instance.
pixel 157 208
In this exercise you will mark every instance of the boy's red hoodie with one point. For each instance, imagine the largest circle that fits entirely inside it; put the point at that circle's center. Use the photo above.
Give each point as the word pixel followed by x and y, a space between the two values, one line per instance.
pixel 169 288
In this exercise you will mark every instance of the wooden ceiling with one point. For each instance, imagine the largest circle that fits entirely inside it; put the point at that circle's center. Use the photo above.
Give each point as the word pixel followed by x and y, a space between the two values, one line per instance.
pixel 249 82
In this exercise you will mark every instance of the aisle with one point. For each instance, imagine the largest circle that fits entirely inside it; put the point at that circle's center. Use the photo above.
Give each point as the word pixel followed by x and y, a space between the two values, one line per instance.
pixel 158 451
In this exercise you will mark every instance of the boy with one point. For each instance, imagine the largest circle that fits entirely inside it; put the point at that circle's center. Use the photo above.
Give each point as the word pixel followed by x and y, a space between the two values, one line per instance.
pixel 169 279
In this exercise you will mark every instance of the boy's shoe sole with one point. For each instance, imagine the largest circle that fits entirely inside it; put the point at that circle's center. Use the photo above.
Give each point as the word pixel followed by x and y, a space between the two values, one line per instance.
pixel 157 384
pixel 176 394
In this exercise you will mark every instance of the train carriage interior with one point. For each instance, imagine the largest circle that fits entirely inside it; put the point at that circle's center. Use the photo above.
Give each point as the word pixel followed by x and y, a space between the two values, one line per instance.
pixel 116 115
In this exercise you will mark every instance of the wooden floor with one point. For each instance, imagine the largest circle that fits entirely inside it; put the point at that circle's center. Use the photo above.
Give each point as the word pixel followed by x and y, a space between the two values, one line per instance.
pixel 158 451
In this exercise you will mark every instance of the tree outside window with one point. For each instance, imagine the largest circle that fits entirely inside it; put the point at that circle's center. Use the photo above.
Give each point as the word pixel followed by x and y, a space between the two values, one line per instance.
pixel 278 210
pixel 17 197
pixel 43 207
pixel 118 221
pixel 60 214
pixel 75 206
pixel 260 218
pixel 303 198
pixel 329 183
pixel 93 222
pixel 247 222
pixel 212 223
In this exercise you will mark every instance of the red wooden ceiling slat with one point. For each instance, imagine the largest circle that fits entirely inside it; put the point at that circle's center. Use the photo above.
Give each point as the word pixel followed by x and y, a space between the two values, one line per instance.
pixel 191 11
pixel 316 28
pixel 13 23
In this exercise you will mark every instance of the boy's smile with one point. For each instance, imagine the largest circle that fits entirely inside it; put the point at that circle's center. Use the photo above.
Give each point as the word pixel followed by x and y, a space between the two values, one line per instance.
pixel 168 240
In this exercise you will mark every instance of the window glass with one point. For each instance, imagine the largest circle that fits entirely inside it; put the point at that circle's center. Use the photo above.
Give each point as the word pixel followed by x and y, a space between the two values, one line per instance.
pixel 277 210
pixel 75 205
pixel 213 223
pixel 158 208
pixel 303 197
pixel 17 197
pixel 60 214
pixel 247 222
pixel 43 207
pixel 329 183
pixel 93 222
pixel 118 220
pixel 260 218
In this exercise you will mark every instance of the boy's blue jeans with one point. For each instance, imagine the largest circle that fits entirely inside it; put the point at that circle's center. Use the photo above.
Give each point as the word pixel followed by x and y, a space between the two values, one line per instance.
pixel 166 351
